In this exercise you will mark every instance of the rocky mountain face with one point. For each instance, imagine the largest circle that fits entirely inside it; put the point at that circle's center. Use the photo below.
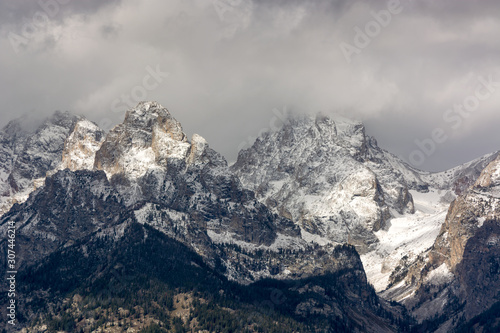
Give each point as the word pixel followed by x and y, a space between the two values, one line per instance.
pixel 329 177
pixel 91 204
pixel 133 276
pixel 81 146
pixel 335 182
pixel 27 154
pixel 457 279
pixel 409 237
pixel 146 175
pixel 70 206
pixel 466 215
pixel 185 190
pixel 338 186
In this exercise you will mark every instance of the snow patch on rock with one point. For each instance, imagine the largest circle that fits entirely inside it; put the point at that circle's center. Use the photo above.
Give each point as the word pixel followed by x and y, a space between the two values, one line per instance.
pixel 439 276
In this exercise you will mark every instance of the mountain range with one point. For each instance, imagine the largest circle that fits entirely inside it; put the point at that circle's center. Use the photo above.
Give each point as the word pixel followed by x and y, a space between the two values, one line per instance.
pixel 313 229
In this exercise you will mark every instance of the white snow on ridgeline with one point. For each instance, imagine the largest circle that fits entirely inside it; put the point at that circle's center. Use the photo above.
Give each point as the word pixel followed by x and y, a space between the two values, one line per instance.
pixel 409 235
pixel 198 146
pixel 281 242
pixel 445 178
pixel 346 130
pixel 480 221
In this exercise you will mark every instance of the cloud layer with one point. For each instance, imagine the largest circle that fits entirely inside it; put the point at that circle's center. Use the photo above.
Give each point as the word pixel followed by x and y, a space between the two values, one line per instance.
pixel 225 68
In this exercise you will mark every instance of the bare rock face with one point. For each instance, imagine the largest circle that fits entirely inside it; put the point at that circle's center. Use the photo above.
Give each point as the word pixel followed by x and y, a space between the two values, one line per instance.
pixel 328 177
pixel 489 179
pixel 70 206
pixel 147 138
pixel 149 160
pixel 80 147
pixel 467 214
pixel 198 151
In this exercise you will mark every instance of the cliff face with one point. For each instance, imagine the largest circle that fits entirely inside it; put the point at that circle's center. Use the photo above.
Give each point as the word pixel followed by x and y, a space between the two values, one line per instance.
pixel 466 215
pixel 81 145
pixel 69 206
pixel 148 137
pixel 327 176
pixel 457 278
pixel 27 154
pixel 479 270
pixel 145 179
pixel 162 175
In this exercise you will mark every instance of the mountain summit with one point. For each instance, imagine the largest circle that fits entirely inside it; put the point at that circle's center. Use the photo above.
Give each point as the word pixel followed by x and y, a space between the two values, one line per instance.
pixel 329 177
pixel 148 138
pixel 121 224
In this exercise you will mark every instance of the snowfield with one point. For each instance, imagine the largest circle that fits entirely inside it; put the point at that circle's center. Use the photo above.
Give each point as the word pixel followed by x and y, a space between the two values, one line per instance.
pixel 410 235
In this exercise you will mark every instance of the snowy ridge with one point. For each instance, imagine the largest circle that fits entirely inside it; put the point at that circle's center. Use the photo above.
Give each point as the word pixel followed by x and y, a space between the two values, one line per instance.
pixel 456 277
pixel 338 186
pixel 466 173
pixel 80 146
pixel 407 236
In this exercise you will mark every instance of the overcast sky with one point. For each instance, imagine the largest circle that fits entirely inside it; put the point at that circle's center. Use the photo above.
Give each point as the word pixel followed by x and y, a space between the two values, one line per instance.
pixel 228 69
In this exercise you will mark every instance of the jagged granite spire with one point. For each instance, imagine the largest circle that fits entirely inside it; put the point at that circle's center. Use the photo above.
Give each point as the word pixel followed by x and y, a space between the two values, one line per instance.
pixel 149 138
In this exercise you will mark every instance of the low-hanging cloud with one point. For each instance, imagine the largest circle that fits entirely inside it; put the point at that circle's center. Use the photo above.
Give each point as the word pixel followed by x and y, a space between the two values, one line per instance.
pixel 227 64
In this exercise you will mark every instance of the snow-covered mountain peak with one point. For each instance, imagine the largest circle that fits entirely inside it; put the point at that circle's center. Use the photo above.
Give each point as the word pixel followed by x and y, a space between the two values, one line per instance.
pixel 334 130
pixel 347 127
pixel 321 172
pixel 151 116
pixel 151 138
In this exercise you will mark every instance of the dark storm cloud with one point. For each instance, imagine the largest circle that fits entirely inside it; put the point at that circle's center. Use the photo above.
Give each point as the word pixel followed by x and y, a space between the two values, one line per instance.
pixel 227 69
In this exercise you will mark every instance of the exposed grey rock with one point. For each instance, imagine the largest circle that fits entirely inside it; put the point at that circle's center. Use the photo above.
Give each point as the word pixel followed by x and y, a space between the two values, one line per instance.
pixel 69 206
pixel 328 176
pixel 27 155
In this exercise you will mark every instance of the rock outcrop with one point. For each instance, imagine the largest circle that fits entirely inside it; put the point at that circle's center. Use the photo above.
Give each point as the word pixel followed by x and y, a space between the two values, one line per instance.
pixel 81 146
